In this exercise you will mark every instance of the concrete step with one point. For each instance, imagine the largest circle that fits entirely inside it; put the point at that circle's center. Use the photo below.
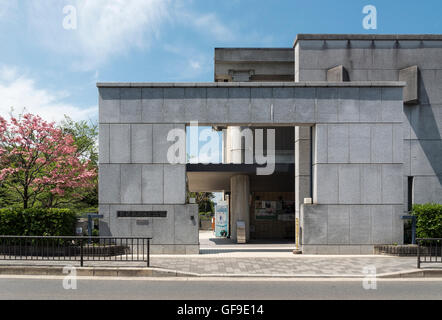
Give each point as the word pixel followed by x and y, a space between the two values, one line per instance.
pixel 249 249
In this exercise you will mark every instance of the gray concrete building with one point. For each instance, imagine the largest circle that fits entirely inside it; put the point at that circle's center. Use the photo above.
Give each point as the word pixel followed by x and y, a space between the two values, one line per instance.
pixel 357 122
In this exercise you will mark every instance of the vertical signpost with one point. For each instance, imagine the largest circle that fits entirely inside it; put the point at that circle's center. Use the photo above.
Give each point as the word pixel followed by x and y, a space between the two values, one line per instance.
pixel 297 237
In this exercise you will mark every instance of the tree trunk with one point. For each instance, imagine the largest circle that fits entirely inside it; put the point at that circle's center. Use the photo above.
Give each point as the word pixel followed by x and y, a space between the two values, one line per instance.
pixel 25 197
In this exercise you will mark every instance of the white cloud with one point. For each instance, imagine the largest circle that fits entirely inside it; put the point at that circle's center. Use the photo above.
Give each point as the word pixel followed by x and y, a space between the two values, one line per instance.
pixel 104 28
pixel 8 73
pixel 207 23
pixel 189 63
pixel 19 92
pixel 195 64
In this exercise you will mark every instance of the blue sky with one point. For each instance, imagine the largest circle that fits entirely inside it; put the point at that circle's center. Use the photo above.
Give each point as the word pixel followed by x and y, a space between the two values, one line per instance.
pixel 52 71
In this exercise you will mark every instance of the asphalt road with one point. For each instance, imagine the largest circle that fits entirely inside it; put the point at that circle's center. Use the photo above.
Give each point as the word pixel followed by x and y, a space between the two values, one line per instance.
pixel 214 289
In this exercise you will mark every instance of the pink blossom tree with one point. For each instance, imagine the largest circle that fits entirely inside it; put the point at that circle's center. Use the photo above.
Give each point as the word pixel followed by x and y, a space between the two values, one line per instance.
pixel 37 159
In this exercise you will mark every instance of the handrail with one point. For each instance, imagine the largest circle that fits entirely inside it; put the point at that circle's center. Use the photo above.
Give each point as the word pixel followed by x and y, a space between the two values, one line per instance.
pixel 431 253
pixel 70 237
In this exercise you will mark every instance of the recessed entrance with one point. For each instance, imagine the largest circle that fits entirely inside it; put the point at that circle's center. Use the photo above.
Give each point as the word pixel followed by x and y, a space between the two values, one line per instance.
pixel 265 203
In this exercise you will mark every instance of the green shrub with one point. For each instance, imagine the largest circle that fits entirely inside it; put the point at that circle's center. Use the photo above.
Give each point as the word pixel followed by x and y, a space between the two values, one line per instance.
pixel 428 220
pixel 37 222
pixel 84 211
pixel 205 215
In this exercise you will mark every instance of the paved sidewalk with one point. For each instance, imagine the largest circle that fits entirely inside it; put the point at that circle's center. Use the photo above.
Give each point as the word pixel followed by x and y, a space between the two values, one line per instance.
pixel 210 243
pixel 257 264
pixel 285 266
pixel 221 257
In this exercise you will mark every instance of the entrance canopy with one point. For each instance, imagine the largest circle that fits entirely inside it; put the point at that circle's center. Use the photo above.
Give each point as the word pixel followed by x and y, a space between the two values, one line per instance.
pixel 216 177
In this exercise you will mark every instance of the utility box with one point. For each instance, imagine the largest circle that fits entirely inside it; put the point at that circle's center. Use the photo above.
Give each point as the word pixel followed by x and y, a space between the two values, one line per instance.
pixel 240 231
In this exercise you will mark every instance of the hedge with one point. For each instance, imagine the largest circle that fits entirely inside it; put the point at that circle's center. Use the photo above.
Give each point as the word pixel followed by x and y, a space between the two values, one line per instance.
pixel 205 215
pixel 37 222
pixel 428 220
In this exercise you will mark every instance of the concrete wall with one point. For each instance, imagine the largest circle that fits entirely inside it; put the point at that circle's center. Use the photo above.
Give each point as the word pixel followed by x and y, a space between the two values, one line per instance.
pixel 357 173
pixel 259 104
pixel 254 64
pixel 349 229
pixel 380 58
pixel 303 173
pixel 134 167
pixel 134 174
pixel 357 188
pixel 175 234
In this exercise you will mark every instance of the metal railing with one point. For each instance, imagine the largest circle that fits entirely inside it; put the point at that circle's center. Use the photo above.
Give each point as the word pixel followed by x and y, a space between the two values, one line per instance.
pixel 130 249
pixel 429 250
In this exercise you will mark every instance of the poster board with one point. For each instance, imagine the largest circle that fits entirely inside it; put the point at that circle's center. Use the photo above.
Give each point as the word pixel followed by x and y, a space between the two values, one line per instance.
pixel 275 210
pixel 222 219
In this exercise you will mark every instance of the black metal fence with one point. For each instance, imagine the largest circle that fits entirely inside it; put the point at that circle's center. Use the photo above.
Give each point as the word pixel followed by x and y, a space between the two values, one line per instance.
pixel 429 250
pixel 75 248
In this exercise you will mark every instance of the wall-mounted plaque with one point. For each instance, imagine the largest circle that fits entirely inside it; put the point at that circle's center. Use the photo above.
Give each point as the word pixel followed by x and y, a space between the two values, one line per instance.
pixel 141 214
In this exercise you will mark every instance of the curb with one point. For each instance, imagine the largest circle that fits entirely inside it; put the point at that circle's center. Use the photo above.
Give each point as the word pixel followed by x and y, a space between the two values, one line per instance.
pixel 420 273
pixel 159 272
pixel 93 271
